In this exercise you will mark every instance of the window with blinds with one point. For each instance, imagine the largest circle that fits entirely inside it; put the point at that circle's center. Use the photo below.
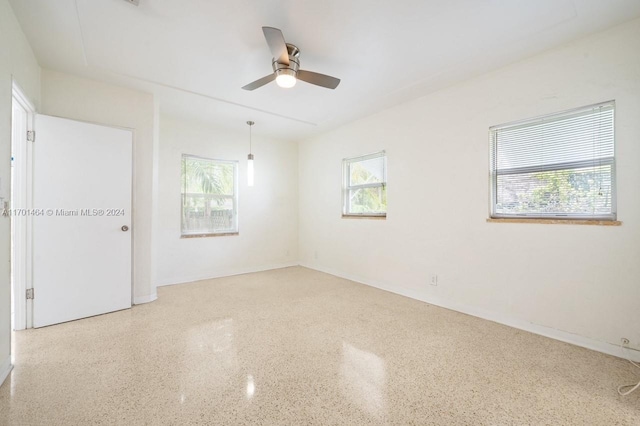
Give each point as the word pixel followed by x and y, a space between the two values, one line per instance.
pixel 557 166
pixel 209 196
pixel 364 189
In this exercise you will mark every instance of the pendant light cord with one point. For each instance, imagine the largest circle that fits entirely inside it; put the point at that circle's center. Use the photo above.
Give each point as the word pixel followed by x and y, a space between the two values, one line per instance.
pixel 250 123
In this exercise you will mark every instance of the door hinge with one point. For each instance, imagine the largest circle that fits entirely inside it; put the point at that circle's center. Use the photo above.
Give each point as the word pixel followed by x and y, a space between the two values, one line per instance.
pixel 31 135
pixel 29 293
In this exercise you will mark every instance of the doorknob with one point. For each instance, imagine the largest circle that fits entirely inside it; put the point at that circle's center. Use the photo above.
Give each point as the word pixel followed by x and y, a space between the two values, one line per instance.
pixel 124 228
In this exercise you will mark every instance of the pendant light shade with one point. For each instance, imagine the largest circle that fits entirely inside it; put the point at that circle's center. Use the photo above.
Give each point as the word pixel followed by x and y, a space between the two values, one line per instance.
pixel 250 158
pixel 250 170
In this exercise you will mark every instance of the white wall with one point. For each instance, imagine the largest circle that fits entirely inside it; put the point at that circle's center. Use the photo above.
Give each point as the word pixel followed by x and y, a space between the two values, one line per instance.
pixel 68 96
pixel 577 283
pixel 17 60
pixel 268 211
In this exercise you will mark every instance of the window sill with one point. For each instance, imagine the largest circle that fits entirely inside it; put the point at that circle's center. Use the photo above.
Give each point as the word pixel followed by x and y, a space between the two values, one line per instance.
pixel 362 216
pixel 557 221
pixel 226 234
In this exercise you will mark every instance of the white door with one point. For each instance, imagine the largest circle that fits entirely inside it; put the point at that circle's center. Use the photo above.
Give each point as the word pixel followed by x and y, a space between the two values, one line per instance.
pixel 82 214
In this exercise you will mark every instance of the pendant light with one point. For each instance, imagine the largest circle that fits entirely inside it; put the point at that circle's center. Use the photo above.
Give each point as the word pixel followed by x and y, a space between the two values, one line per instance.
pixel 250 158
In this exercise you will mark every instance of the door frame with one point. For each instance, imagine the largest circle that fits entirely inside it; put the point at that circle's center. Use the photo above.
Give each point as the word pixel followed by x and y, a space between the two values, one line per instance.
pixel 21 225
pixel 22 243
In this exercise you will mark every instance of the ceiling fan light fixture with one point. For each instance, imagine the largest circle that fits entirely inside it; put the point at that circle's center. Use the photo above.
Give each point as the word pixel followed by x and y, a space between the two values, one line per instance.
pixel 286 78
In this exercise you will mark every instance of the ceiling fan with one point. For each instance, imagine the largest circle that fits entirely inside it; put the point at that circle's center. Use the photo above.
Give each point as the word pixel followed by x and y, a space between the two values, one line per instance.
pixel 286 65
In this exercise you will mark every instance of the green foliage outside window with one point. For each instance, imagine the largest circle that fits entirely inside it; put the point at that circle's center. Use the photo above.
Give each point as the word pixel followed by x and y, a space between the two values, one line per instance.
pixel 577 191
pixel 366 200
pixel 207 195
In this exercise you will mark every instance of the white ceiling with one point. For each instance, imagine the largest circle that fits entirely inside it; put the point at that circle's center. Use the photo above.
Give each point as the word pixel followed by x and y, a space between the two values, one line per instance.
pixel 195 55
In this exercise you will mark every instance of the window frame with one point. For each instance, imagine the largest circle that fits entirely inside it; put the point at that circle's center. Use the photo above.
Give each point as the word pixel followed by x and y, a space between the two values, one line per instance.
pixel 346 188
pixel 572 165
pixel 234 197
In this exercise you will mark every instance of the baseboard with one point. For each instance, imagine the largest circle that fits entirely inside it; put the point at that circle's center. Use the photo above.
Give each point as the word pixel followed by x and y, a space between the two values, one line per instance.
pixel 226 273
pixel 145 299
pixel 563 336
pixel 5 369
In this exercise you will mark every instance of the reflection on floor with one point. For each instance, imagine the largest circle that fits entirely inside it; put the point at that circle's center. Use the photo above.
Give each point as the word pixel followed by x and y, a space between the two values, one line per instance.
pixel 295 346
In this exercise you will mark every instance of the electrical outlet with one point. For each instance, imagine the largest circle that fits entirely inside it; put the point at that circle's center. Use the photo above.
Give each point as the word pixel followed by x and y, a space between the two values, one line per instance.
pixel 315 255
pixel 624 341
pixel 433 279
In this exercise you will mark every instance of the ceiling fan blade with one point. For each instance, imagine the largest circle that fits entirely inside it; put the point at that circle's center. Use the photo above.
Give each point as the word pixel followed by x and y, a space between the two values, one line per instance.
pixel 261 82
pixel 276 43
pixel 318 79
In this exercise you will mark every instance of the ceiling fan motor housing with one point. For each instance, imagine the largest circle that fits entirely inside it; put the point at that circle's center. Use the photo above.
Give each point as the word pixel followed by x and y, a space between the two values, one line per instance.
pixel 294 62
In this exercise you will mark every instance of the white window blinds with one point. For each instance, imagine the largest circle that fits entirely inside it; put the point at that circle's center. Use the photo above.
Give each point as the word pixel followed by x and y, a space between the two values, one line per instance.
pixel 560 166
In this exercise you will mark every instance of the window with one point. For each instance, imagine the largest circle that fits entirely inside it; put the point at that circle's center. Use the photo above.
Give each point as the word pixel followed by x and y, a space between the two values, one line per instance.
pixel 557 166
pixel 365 185
pixel 209 196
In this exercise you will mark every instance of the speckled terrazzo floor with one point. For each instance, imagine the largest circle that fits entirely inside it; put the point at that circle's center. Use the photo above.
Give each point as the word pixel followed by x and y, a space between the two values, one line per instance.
pixel 295 347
